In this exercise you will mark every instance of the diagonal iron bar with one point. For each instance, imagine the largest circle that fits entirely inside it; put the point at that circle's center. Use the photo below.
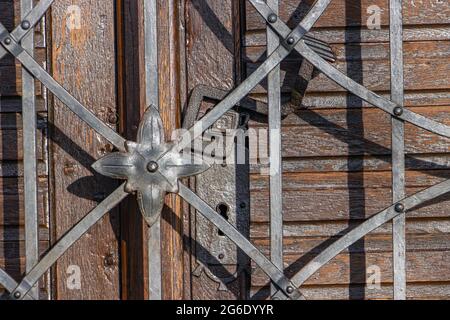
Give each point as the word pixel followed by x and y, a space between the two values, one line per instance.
pixel 275 274
pixel 73 104
pixel 67 241
pixel 368 226
pixel 398 149
pixel 257 76
pixel 29 22
pixel 344 81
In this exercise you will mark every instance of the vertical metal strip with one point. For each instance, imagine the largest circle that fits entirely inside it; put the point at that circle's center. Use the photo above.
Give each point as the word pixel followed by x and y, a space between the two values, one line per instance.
pixel 274 104
pixel 152 95
pixel 398 148
pixel 29 155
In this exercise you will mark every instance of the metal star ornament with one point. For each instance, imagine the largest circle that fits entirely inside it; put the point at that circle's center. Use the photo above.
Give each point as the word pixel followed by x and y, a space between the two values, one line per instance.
pixel 151 166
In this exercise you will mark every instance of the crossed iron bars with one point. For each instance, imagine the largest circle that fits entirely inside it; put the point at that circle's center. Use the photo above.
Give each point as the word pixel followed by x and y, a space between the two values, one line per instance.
pixel 146 157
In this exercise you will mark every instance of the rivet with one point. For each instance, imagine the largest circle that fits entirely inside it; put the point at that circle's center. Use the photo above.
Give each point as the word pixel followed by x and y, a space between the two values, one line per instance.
pixel 8 41
pixel 112 118
pixel 25 24
pixel 290 290
pixel 109 260
pixel 290 41
pixel 17 295
pixel 69 169
pixel 221 256
pixel 272 18
pixel 398 111
pixel 399 207
pixel 152 166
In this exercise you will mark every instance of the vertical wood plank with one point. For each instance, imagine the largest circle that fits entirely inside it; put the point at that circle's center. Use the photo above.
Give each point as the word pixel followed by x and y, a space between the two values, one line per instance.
pixel 170 108
pixel 84 62
pixel 213 58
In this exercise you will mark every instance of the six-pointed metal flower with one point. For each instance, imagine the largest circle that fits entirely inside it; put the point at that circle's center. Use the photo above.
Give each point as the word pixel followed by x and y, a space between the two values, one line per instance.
pixel 150 166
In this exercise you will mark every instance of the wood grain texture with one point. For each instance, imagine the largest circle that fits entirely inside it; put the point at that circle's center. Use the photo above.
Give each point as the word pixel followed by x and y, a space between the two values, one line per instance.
pixel 84 62
pixel 213 37
pixel 170 104
pixel 337 154
pixel 131 94
pixel 415 13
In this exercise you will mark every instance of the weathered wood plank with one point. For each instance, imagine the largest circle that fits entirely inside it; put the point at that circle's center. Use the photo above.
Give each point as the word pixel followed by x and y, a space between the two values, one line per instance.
pixel 421 266
pixel 367 51
pixel 83 61
pixel 11 147
pixel 374 69
pixel 323 205
pixel 356 35
pixel 338 13
pixel 170 104
pixel 339 132
pixel 327 100
pixel 358 163
pixel 212 58
pixel 352 180
pixel 375 243
pixel 419 291
pixel 327 229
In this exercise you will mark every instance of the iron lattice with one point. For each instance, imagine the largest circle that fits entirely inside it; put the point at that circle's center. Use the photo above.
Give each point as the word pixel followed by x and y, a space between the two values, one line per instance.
pixel 152 155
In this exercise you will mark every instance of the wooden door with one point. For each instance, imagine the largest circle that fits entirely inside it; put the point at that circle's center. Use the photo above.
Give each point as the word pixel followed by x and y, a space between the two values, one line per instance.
pixel 336 148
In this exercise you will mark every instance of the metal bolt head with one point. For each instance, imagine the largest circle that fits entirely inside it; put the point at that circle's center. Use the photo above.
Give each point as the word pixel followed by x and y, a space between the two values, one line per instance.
pixel 398 111
pixel 25 24
pixel 290 290
pixel 152 166
pixel 272 18
pixel 112 118
pixel 8 41
pixel 290 41
pixel 17 295
pixel 399 207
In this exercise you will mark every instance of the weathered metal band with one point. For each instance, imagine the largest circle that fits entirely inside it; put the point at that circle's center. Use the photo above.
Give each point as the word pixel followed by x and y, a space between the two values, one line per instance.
pixel 368 226
pixel 29 119
pixel 68 240
pixel 33 18
pixel 275 274
pixel 255 78
pixel 354 87
pixel 275 176
pixel 73 104
pixel 7 281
